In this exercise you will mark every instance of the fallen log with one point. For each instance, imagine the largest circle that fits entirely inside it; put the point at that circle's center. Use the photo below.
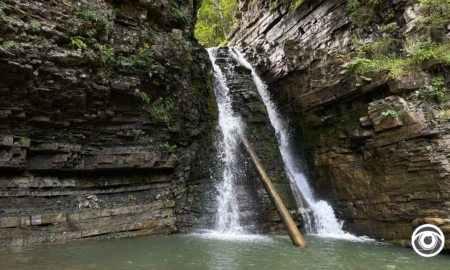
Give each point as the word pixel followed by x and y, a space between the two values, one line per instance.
pixel 294 233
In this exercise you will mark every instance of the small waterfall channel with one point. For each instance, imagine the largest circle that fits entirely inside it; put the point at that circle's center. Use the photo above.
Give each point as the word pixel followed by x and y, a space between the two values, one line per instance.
pixel 230 125
pixel 318 215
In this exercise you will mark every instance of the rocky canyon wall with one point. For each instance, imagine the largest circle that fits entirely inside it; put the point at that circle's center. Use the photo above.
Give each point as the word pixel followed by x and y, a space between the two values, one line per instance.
pixel 378 135
pixel 108 121
pixel 104 106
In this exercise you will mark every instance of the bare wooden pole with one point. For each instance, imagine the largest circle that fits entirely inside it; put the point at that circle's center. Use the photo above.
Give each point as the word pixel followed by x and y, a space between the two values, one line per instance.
pixel 294 234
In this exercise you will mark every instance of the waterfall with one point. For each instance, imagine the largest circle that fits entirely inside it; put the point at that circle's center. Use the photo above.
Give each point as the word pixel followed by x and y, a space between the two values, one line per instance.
pixel 230 125
pixel 320 218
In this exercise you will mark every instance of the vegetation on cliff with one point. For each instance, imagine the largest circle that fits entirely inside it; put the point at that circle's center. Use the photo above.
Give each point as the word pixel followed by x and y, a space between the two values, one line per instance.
pixel 392 51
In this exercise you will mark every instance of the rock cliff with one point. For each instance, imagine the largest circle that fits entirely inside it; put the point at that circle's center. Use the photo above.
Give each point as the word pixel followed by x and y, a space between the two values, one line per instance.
pixel 368 102
pixel 104 107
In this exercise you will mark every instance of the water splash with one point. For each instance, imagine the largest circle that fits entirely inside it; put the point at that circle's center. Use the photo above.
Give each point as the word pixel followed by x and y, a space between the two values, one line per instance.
pixel 318 215
pixel 230 125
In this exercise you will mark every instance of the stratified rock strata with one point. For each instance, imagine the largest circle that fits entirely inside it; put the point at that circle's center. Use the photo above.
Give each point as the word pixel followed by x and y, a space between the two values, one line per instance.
pixel 379 146
pixel 86 149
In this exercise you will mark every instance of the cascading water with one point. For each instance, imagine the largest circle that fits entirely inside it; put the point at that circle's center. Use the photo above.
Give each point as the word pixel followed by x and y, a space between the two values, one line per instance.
pixel 321 219
pixel 230 126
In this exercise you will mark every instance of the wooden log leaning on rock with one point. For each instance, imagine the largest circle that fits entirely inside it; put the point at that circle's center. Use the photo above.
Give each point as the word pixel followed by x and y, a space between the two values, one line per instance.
pixel 294 233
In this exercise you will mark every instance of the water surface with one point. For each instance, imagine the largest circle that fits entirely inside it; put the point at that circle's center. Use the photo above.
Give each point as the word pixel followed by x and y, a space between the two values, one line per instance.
pixel 215 251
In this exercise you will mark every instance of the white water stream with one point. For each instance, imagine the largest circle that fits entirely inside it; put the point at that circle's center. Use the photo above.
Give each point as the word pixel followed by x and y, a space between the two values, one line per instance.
pixel 230 125
pixel 318 215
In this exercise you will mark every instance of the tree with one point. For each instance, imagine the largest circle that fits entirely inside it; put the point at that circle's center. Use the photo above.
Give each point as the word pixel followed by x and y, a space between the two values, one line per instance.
pixel 216 19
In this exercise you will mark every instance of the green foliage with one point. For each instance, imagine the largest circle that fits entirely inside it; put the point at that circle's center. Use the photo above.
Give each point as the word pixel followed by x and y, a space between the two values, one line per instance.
pixel 390 113
pixel 108 112
pixel 145 97
pixel 4 17
pixel 107 55
pixel 162 107
pixel 438 13
pixel 360 12
pixel 90 15
pixel 297 4
pixel 417 53
pixel 127 62
pixel 327 117
pixel 137 131
pixel 108 26
pixel 335 54
pixel 91 32
pixel 13 45
pixel 421 52
pixel 161 69
pixel 27 66
pixel 176 15
pixel 145 56
pixel 167 146
pixel 293 4
pixel 22 140
pixel 35 26
pixel 358 65
pixel 78 41
pixel 216 19
pixel 273 6
pixel 36 73
pixel 389 28
pixel 49 63
pixel 432 92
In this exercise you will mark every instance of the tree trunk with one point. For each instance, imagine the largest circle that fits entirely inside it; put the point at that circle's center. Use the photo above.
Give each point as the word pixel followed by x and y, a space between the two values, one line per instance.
pixel 218 4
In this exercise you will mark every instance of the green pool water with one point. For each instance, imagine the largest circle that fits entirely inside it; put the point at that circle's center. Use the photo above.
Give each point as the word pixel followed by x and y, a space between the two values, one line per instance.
pixel 212 251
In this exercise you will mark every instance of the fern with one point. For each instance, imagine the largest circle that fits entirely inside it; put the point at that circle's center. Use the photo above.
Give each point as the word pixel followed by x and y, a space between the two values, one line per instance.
pixel 78 41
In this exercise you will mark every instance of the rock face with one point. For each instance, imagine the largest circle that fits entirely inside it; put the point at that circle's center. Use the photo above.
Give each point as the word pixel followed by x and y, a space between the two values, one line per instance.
pixel 104 106
pixel 257 212
pixel 379 146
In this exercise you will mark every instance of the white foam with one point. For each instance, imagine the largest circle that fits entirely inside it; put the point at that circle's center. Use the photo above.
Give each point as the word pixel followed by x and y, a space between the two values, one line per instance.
pixel 235 237
pixel 347 237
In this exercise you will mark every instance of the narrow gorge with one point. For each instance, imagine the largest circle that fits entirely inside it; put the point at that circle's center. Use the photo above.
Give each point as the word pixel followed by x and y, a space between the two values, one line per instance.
pixel 121 125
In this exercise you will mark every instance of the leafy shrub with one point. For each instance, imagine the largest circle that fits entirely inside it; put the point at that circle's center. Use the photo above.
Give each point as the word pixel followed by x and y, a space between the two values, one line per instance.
pixel 108 26
pixel 106 54
pixel 176 15
pixel 162 107
pixel 390 113
pixel 145 97
pixel 432 92
pixel 90 15
pixel 78 41
pixel 27 66
pixel 35 26
pixel 13 45
pixel 91 32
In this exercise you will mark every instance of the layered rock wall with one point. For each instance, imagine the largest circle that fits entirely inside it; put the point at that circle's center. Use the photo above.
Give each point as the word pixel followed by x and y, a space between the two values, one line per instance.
pixel 378 144
pixel 104 106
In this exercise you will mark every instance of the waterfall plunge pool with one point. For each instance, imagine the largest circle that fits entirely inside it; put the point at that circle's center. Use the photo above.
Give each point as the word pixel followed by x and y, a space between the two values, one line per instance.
pixel 215 251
